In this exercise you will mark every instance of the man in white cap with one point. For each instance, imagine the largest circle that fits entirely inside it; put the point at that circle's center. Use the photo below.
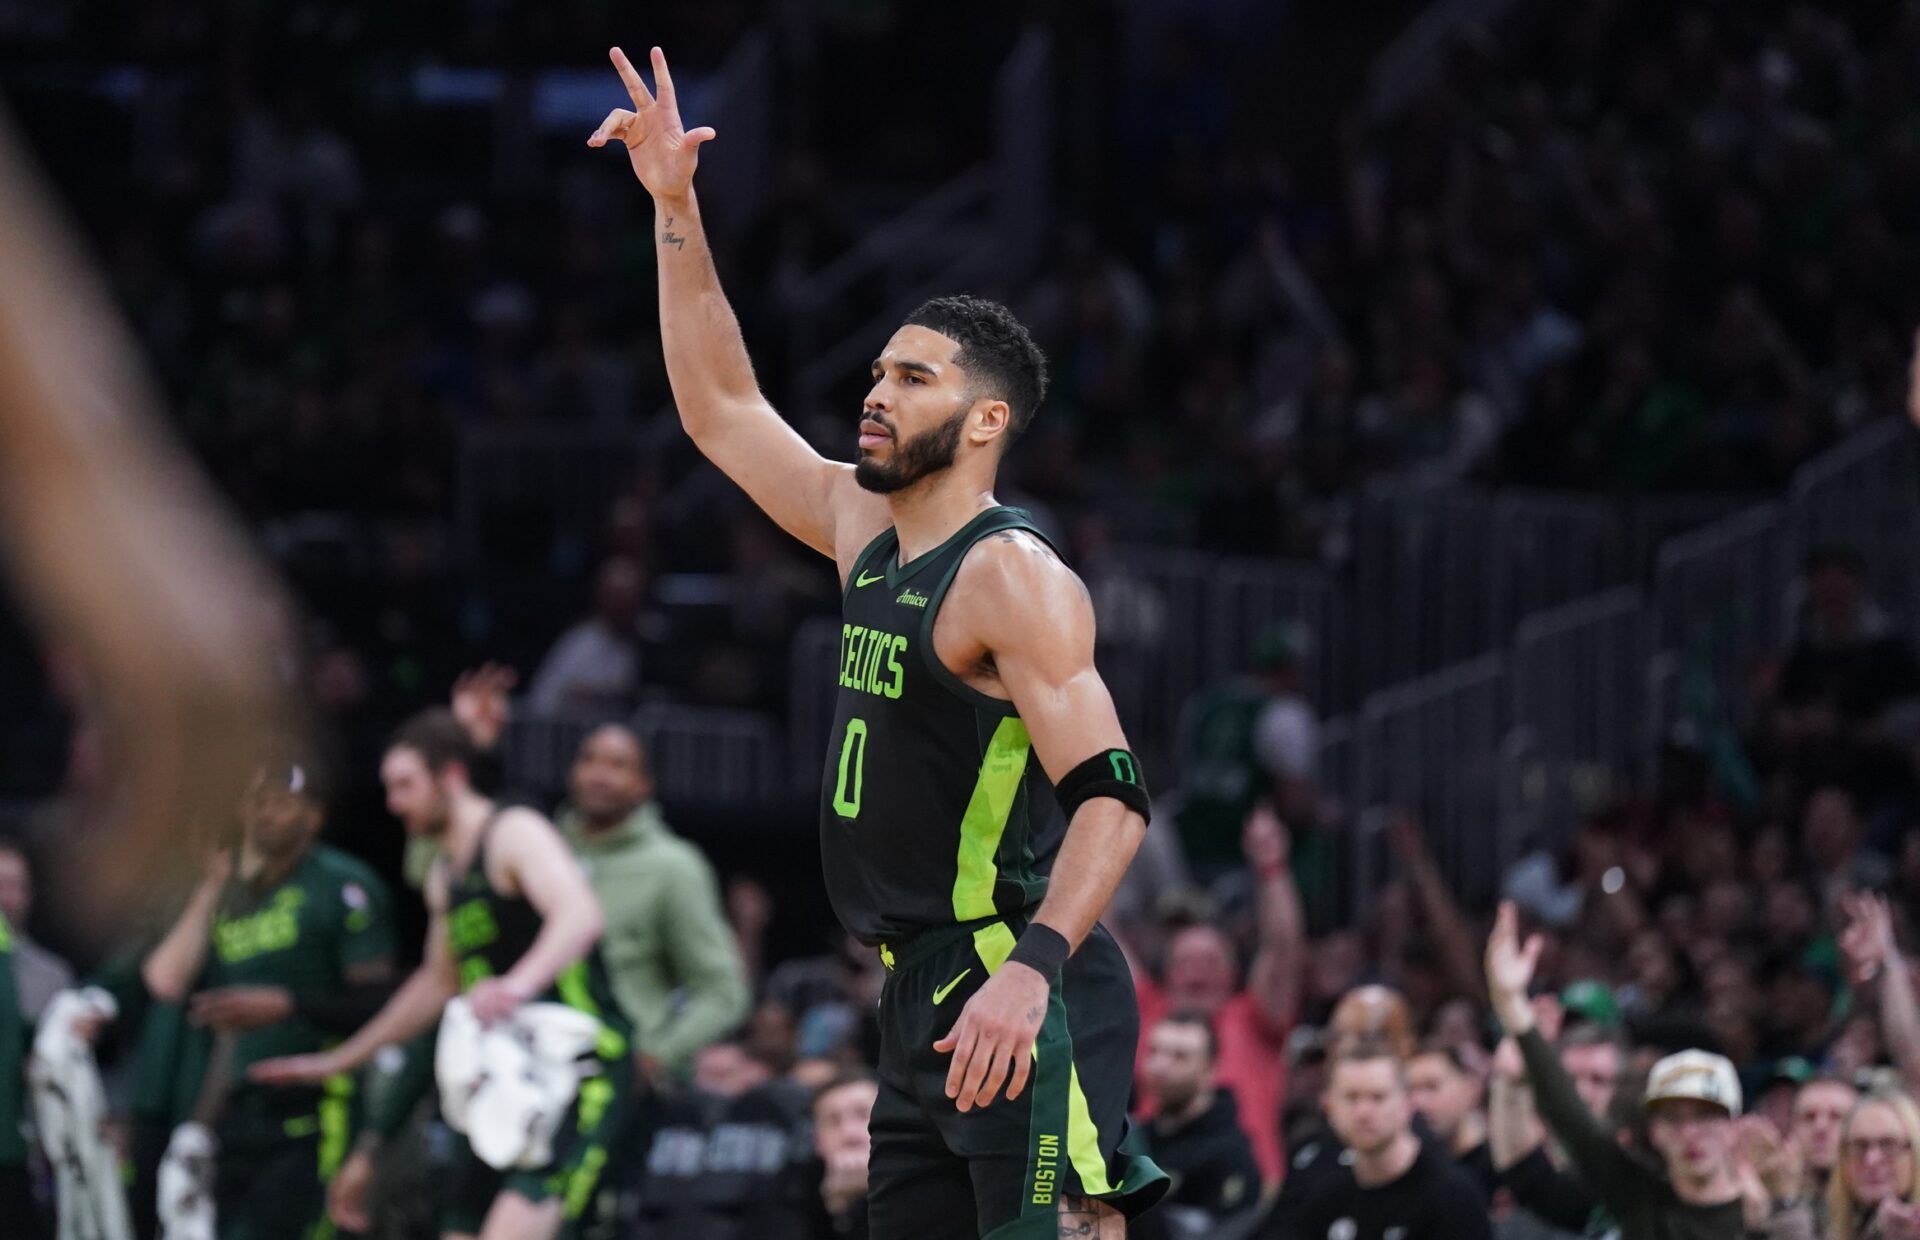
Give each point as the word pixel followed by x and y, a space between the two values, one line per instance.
pixel 1704 1188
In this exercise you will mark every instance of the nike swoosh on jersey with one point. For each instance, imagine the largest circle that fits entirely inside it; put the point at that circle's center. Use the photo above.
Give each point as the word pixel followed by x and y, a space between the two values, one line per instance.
pixel 940 995
pixel 865 580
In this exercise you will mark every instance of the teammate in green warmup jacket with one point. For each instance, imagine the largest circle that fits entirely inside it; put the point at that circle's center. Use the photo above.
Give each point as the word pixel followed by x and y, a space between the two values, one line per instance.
pixel 286 954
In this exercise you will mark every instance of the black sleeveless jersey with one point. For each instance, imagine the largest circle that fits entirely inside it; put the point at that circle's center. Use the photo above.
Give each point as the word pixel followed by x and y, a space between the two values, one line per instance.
pixel 490 931
pixel 933 809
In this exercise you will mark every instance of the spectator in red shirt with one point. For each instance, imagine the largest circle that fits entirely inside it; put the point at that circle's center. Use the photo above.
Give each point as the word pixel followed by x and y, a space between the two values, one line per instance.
pixel 1251 1024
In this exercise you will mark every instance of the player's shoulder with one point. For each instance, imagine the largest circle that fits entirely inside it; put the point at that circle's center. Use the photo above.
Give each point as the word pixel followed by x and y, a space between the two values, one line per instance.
pixel 1016 565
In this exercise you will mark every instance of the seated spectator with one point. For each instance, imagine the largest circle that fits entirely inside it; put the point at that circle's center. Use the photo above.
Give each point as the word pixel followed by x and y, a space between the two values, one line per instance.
pixel 1874 1193
pixel 594 667
pixel 1250 1025
pixel 38 974
pixel 842 1109
pixel 729 1159
pixel 1447 1091
pixel 1195 1136
pixel 1820 1111
pixel 1393 1186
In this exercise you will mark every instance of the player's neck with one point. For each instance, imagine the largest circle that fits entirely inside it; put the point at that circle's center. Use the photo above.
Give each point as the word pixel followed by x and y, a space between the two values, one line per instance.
pixel 1385 1165
pixel 466 818
pixel 932 511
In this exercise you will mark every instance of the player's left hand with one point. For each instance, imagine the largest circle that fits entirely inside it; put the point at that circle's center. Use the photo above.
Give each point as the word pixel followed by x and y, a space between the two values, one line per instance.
pixel 993 1039
pixel 496 998
pixel 238 1009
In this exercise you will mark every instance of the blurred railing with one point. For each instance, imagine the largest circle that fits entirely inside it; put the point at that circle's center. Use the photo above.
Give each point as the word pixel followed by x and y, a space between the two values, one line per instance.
pixel 1403 69
pixel 984 228
pixel 1864 494
pixel 1445 577
pixel 810 694
pixel 521 490
pixel 723 759
pixel 1436 746
pixel 1718 597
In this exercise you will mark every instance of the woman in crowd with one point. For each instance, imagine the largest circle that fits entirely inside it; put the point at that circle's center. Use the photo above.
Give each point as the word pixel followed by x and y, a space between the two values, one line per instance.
pixel 1874 1194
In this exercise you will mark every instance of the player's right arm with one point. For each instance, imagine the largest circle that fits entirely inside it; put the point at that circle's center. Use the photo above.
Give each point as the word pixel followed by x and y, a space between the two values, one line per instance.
pixel 413 1009
pixel 719 400
pixel 174 965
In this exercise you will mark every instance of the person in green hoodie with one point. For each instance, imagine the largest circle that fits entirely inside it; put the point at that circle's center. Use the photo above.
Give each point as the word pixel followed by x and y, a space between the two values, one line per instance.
pixel 676 968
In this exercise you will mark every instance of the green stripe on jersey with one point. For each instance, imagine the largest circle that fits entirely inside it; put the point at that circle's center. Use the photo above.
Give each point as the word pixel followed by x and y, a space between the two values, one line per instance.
pixel 986 819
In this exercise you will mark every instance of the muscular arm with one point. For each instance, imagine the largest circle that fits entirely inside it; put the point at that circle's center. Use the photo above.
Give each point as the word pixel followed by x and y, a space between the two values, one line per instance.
pixel 719 400
pixel 416 1006
pixel 532 859
pixel 1036 622
pixel 1020 617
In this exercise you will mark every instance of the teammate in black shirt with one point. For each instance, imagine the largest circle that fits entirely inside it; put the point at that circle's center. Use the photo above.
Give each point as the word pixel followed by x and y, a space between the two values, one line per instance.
pixel 966 689
pixel 1388 1184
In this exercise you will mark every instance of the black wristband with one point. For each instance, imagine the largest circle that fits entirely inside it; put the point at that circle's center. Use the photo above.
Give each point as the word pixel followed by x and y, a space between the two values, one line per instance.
pixel 1042 949
pixel 1111 773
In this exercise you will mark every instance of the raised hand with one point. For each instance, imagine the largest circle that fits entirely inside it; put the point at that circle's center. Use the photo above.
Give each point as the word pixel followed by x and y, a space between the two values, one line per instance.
pixel 1510 966
pixel 1776 1160
pixel 663 152
pixel 1265 840
pixel 1867 939
pixel 481 704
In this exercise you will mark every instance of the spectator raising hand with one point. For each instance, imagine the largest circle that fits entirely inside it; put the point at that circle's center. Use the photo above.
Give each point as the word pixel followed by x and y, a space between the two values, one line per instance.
pixel 1769 1167
pixel 481 704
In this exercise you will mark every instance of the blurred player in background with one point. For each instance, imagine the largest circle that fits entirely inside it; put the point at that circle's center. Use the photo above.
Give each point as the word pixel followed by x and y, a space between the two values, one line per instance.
pixel 119 550
pixel 285 951
pixel 513 921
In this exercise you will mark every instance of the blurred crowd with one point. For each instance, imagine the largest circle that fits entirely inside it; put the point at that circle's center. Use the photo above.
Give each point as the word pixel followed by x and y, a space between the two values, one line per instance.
pixel 1631 246
pixel 1650 246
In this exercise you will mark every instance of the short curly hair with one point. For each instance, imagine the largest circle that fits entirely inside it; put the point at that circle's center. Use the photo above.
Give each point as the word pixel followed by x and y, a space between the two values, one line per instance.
pixel 996 351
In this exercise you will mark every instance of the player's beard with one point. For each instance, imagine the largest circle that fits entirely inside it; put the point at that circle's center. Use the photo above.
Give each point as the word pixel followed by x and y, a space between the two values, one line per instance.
pixel 928 453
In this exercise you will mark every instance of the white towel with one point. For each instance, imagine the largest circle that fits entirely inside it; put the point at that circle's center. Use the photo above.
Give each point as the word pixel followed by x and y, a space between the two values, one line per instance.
pixel 186 1184
pixel 507 1086
pixel 69 1104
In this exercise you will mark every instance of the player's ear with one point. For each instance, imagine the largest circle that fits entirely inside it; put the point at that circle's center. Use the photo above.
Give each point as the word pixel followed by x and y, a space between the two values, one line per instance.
pixel 991 419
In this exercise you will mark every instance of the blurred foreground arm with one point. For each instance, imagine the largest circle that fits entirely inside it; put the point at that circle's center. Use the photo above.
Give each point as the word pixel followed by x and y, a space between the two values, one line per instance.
pixel 118 548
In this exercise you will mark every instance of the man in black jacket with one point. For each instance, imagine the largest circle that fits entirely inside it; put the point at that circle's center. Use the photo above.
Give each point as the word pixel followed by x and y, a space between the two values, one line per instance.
pixel 1195 1135
pixel 1387 1184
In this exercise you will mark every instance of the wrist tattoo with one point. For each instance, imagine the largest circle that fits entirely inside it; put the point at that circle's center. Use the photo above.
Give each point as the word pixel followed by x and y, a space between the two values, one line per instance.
pixel 667 237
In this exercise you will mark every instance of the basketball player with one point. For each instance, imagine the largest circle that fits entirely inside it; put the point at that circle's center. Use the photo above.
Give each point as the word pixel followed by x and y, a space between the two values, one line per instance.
pixel 289 952
pixel 967 694
pixel 512 921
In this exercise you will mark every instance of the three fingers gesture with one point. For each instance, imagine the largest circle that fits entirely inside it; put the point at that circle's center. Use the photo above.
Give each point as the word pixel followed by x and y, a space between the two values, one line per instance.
pixel 663 152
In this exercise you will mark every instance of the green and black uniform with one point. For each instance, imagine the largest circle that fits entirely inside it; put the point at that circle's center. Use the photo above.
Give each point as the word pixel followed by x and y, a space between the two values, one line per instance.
pixel 937 829
pixel 280 1146
pixel 16 1186
pixel 489 933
